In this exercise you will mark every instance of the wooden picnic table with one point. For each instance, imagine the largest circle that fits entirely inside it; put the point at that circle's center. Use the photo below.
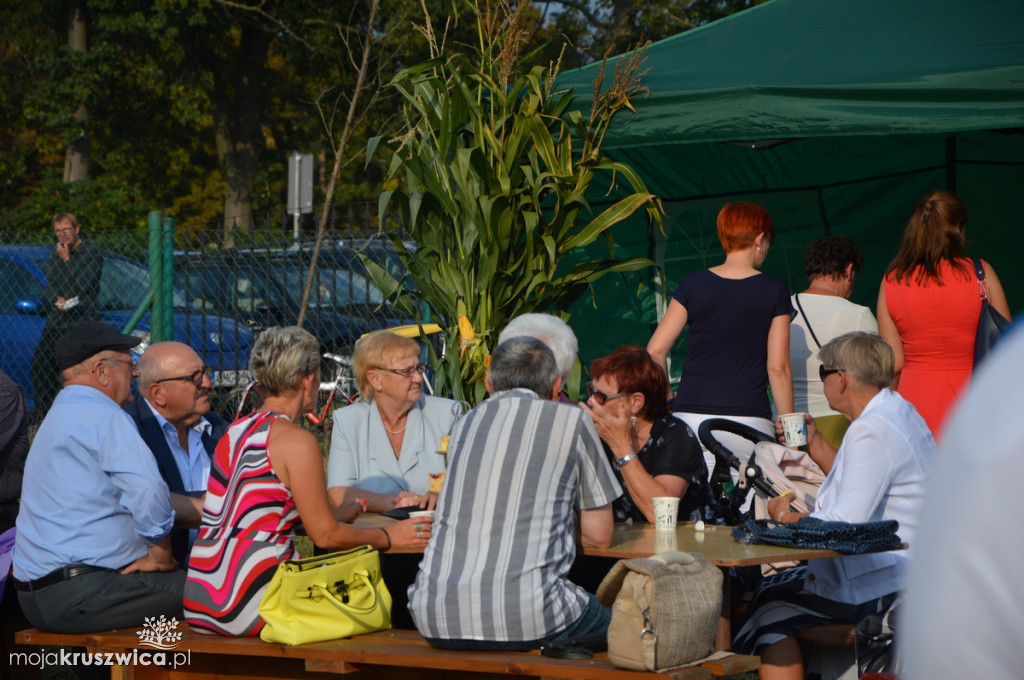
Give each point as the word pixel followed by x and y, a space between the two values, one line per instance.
pixel 643 540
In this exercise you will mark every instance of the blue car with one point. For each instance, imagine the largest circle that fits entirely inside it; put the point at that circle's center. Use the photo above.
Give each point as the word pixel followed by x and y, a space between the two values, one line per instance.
pixel 221 343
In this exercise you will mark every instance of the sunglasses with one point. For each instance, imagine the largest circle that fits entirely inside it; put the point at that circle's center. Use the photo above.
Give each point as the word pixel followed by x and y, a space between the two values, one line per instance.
pixel 601 397
pixel 195 377
pixel 405 372
pixel 826 372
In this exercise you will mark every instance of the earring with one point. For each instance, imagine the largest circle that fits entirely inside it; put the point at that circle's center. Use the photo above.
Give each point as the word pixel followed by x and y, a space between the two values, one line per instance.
pixel 632 423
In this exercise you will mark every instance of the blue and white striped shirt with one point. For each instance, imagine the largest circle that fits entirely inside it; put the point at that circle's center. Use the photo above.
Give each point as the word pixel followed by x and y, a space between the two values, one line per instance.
pixel 503 539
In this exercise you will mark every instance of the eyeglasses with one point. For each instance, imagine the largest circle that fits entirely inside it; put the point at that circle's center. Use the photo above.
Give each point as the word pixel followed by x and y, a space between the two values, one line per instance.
pixel 195 377
pixel 826 372
pixel 132 363
pixel 405 372
pixel 601 397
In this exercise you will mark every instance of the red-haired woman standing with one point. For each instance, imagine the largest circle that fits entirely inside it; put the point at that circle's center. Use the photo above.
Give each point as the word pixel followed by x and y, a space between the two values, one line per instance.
pixel 929 304
pixel 739 332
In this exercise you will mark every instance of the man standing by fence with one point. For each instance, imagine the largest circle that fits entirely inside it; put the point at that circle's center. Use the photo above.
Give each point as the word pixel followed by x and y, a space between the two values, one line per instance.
pixel 72 288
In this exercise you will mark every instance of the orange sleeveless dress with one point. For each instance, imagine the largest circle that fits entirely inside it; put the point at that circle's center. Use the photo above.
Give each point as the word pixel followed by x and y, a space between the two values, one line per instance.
pixel 937 324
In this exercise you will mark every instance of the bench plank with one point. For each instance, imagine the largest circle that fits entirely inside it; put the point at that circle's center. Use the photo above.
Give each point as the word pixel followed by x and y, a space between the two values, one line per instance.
pixel 373 655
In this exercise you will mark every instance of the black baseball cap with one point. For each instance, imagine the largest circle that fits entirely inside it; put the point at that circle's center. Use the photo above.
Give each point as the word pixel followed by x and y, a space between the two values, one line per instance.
pixel 87 339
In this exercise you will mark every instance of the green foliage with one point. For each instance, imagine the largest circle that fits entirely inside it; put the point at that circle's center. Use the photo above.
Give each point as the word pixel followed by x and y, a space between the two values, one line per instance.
pixel 490 177
pixel 97 205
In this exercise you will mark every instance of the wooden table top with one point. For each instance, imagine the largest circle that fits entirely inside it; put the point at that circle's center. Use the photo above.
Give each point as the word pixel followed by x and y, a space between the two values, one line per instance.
pixel 642 540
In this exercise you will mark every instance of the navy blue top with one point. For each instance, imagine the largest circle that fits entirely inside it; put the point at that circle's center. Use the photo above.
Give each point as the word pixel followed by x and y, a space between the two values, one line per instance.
pixel 726 369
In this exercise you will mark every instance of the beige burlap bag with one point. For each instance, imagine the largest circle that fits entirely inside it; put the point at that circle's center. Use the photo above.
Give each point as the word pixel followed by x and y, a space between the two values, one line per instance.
pixel 665 610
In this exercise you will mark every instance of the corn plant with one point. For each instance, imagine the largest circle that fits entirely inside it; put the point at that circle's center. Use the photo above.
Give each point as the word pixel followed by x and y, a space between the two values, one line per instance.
pixel 490 176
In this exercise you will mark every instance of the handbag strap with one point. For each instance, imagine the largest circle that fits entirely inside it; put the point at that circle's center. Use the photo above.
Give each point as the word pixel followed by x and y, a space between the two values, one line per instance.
pixel 806 320
pixel 982 288
pixel 332 595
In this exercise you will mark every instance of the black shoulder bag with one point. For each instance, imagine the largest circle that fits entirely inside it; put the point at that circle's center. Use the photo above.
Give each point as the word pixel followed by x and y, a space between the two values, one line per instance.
pixel 991 324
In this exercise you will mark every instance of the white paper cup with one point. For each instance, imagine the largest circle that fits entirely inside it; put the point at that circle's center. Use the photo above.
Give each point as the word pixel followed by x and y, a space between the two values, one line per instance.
pixel 422 513
pixel 795 429
pixel 665 510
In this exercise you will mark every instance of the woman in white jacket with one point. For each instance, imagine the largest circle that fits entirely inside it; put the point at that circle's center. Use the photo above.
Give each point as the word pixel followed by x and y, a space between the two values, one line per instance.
pixel 878 474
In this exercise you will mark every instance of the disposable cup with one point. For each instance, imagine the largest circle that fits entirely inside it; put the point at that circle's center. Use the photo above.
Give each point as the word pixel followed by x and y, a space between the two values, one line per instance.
pixel 422 513
pixel 795 428
pixel 665 510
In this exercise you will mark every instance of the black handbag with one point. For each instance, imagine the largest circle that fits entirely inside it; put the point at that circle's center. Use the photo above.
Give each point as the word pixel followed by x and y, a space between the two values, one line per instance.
pixel 991 324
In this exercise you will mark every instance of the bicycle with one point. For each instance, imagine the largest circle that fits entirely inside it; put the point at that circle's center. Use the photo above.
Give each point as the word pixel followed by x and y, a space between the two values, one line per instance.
pixel 340 387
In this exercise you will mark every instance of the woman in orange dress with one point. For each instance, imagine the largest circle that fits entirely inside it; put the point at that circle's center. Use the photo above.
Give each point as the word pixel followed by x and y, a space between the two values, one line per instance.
pixel 929 304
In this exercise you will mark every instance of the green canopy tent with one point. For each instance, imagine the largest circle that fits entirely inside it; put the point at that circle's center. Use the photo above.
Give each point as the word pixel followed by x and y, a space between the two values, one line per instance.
pixel 836 116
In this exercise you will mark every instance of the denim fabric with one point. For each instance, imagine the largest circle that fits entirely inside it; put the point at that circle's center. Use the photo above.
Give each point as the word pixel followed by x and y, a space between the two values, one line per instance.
pixel 594 619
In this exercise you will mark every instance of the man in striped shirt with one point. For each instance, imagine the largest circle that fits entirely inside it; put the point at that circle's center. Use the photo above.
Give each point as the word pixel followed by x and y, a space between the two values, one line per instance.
pixel 521 465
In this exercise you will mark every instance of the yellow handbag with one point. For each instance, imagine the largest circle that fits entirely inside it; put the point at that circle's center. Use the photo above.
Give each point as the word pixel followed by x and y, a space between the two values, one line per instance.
pixel 325 598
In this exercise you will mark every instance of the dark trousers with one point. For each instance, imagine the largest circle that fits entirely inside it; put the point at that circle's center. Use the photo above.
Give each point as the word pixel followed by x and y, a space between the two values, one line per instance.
pixel 46 382
pixel 594 620
pixel 105 600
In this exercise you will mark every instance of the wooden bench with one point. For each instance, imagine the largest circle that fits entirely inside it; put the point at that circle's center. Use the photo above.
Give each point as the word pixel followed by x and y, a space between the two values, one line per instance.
pixel 385 655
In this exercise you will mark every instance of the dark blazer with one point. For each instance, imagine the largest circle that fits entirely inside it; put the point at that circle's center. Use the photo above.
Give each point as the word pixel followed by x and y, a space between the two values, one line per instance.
pixel 149 428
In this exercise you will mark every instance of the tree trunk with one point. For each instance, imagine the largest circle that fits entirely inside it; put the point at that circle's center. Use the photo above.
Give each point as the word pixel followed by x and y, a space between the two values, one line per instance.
pixel 76 156
pixel 236 113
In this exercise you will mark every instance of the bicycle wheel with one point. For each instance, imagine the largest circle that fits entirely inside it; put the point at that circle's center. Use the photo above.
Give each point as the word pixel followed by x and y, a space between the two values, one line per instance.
pixel 240 402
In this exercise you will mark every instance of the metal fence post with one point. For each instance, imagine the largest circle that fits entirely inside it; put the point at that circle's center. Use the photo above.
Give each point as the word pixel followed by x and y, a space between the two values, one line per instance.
pixel 167 280
pixel 157 323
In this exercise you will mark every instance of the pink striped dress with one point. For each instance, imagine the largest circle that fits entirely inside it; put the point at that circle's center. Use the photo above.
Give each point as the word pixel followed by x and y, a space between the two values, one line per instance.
pixel 247 529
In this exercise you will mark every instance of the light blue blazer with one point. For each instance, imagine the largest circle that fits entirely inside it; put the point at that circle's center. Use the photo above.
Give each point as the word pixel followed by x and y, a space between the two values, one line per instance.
pixel 361 453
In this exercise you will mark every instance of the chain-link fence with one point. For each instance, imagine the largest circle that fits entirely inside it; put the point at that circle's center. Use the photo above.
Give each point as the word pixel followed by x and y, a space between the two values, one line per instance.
pixel 223 296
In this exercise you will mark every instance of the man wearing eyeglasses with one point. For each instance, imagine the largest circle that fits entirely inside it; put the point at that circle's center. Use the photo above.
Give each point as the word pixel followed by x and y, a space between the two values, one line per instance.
pixel 175 421
pixel 93 547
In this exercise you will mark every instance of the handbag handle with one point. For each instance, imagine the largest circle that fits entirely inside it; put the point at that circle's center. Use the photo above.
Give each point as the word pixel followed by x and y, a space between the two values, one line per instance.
pixel 982 288
pixel 806 320
pixel 365 578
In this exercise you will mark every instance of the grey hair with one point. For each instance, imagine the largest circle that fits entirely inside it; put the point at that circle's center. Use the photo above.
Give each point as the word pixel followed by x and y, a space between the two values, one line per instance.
pixel 550 330
pixel 523 361
pixel 865 356
pixel 282 356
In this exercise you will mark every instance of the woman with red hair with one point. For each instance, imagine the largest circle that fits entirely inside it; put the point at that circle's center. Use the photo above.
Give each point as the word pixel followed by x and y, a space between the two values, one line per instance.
pixel 739 333
pixel 653 454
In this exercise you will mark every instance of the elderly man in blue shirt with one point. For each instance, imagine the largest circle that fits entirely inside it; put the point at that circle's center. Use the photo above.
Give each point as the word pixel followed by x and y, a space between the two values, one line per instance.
pixel 93 548
pixel 175 421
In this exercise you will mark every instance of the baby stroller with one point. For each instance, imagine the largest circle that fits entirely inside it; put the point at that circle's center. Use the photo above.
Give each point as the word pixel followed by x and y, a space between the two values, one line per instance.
pixel 770 470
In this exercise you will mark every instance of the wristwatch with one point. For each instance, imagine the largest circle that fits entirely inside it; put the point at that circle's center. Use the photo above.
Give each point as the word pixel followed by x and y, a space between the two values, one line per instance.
pixel 625 459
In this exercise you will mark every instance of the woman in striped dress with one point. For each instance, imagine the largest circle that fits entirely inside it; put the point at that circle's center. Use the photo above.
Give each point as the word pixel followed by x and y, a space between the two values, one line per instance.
pixel 267 473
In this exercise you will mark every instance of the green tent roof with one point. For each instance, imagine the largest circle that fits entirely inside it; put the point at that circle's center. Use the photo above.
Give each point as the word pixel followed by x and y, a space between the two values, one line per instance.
pixel 808 68
pixel 874 103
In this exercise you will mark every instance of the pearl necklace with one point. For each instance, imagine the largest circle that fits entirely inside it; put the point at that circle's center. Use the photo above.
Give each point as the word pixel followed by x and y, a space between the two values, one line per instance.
pixel 395 431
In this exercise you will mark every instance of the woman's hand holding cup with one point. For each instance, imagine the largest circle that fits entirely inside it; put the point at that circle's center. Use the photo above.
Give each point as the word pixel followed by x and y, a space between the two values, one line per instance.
pixel 414 531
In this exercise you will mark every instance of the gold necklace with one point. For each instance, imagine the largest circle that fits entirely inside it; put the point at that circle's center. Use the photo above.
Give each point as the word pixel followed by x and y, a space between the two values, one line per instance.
pixel 827 290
